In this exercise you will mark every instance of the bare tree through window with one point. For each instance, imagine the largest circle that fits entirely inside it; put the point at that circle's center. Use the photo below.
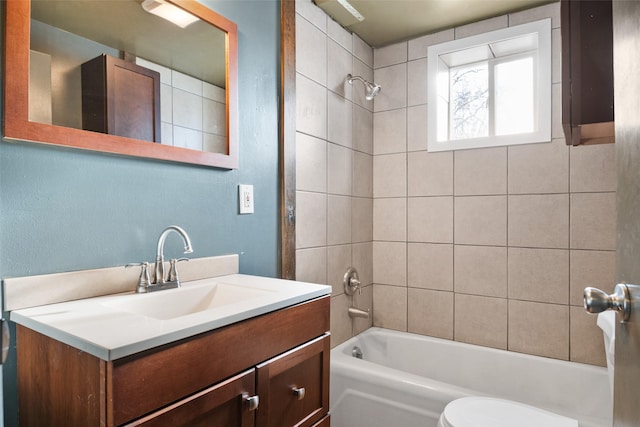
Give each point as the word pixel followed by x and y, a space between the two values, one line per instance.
pixel 469 105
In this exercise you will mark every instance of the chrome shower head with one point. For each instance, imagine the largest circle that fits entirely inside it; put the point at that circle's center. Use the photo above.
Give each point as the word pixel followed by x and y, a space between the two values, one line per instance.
pixel 370 89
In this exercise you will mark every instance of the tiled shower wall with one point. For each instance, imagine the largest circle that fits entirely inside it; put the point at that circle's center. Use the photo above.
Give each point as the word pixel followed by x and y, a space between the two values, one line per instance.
pixel 490 246
pixel 334 158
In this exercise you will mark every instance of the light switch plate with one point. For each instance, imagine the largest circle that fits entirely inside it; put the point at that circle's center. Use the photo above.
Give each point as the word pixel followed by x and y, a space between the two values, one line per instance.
pixel 245 198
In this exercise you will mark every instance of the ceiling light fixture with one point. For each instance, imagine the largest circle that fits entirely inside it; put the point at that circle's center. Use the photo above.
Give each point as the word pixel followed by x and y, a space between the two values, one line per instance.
pixel 352 10
pixel 170 12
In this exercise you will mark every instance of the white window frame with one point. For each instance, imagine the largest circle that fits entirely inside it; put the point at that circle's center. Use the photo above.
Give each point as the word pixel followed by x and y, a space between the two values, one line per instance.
pixel 542 91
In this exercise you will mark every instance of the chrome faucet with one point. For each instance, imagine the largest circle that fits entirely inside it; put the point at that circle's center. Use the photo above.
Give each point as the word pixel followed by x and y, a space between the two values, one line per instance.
pixel 160 281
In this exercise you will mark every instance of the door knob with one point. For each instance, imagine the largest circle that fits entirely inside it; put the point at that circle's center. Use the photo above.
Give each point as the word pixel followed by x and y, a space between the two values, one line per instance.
pixel 596 301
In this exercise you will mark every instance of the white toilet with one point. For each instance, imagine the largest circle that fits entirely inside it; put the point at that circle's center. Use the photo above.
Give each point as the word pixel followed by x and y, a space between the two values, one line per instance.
pixel 479 411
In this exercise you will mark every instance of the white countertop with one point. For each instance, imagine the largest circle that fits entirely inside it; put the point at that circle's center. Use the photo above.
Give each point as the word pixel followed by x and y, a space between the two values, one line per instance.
pixel 103 327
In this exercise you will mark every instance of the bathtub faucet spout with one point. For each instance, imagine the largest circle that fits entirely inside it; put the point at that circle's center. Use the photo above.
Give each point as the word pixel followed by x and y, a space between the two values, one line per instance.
pixel 356 312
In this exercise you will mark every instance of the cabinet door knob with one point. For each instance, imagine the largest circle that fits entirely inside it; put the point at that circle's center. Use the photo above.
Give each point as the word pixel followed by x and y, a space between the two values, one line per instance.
pixel 252 402
pixel 299 392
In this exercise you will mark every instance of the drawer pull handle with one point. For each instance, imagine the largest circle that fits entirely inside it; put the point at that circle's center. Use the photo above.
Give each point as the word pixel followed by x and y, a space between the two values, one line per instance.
pixel 299 392
pixel 252 402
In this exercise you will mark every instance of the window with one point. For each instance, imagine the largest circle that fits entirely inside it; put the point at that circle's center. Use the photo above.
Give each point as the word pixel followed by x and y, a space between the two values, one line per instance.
pixel 491 89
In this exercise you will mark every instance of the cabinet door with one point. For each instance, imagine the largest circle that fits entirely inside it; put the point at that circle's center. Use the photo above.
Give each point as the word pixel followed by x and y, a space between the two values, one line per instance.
pixel 224 404
pixel 294 387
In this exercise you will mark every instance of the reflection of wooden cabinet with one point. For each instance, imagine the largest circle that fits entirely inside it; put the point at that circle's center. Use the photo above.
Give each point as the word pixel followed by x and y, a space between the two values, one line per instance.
pixel 120 98
pixel 587 71
pixel 205 378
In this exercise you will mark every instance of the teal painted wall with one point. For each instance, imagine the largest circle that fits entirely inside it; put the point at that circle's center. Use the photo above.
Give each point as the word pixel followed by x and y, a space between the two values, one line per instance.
pixel 64 209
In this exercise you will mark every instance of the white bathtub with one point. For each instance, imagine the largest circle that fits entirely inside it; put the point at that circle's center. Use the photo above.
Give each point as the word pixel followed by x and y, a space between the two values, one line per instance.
pixel 406 380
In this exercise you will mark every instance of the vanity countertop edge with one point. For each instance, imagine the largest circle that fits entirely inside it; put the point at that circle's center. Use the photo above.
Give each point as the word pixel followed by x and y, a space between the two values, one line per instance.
pixel 92 325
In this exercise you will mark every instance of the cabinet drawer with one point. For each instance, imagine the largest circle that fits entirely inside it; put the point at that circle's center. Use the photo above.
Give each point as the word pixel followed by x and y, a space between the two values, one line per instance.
pixel 136 388
pixel 295 385
pixel 223 404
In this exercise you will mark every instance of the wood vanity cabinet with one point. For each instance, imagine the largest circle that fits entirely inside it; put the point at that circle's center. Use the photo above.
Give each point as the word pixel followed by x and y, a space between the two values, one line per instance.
pixel 120 98
pixel 587 71
pixel 209 379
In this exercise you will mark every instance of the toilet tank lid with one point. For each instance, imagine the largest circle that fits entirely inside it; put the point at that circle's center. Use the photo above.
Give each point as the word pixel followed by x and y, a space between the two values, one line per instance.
pixel 476 411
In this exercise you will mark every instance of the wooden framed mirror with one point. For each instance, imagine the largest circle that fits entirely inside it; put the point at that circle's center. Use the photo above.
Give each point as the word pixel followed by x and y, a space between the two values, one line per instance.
pixel 46 96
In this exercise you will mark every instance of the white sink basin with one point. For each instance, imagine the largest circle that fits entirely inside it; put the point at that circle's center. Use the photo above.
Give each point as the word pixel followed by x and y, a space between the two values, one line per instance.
pixel 114 326
pixel 173 303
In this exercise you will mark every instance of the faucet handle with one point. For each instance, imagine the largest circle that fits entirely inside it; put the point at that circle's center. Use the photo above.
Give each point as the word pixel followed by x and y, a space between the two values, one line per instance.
pixel 173 272
pixel 144 280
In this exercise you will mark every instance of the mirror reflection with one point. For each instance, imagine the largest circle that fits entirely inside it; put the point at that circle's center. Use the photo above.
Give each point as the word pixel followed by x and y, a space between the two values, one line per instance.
pixel 113 67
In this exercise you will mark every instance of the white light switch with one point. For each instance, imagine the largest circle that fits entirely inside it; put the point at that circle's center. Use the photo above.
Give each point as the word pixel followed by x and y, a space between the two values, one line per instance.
pixel 245 198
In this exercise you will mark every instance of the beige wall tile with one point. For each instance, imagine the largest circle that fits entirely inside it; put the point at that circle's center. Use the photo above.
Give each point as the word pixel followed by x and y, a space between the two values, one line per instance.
pixel 341 328
pixel 482 26
pixel 481 270
pixel 417 82
pixel 339 64
pixel 390 263
pixel 593 221
pixel 390 307
pixel 311 163
pixel 481 320
pixel 430 266
pixel 591 268
pixel 362 51
pixel 417 128
pixel 539 168
pixel 390 175
pixel 362 260
pixel 338 220
pixel 363 301
pixel 539 329
pixel 362 174
pixel 535 14
pixel 311 219
pixel 340 120
pixel 362 129
pixel 418 47
pixel 480 172
pixel 481 220
pixel 339 169
pixel 311 107
pixel 187 109
pixel 430 174
pixel 311 52
pixel 593 168
pixel 338 262
pixel 311 265
pixel 556 111
pixel 430 219
pixel 309 11
pixel 343 37
pixel 393 80
pixel 539 275
pixel 390 219
pixel 390 132
pixel 430 313
pixel 586 342
pixel 539 221
pixel 362 219
pixel 390 55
